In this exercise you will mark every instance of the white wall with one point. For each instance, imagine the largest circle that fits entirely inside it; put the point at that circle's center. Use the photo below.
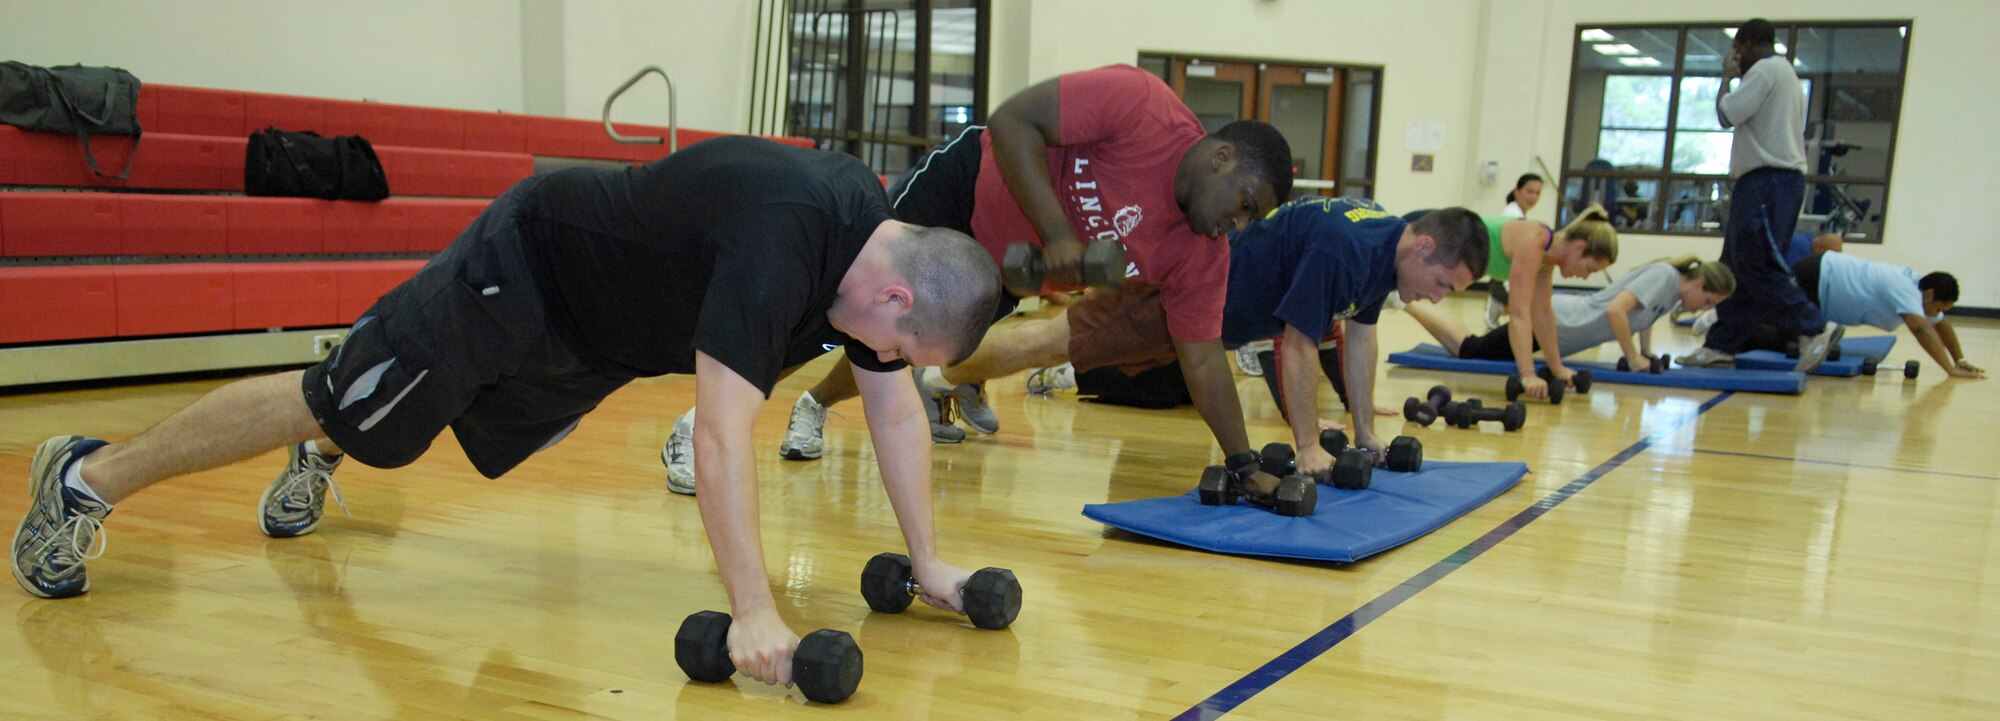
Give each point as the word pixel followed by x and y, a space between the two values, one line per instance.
pixel 446 53
pixel 705 44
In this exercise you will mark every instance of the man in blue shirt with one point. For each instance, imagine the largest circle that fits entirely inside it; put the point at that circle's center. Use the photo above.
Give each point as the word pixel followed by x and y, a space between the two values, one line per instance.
pixel 1855 291
pixel 1319 260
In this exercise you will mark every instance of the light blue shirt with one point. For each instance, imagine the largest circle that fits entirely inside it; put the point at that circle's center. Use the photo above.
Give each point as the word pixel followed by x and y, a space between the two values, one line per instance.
pixel 1853 291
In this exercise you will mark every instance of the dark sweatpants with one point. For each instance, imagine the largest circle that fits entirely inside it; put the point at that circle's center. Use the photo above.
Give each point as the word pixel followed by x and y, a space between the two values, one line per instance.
pixel 1763 209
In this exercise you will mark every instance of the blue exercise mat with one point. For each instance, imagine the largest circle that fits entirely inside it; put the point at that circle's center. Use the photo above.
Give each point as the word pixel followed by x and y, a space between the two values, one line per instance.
pixel 1347 526
pixel 1853 351
pixel 1432 357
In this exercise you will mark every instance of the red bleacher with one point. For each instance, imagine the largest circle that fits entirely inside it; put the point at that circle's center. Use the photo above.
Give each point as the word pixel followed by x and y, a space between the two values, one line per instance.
pixel 452 160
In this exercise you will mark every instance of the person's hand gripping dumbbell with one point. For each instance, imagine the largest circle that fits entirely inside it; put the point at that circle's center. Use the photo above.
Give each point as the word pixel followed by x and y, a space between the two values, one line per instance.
pixel 1065 261
pixel 990 597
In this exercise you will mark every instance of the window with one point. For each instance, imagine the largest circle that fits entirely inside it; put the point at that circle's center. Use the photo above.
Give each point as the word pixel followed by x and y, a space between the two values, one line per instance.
pixel 1644 141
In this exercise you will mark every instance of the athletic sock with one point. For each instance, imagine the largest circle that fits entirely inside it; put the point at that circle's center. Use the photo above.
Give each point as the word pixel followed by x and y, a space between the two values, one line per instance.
pixel 73 479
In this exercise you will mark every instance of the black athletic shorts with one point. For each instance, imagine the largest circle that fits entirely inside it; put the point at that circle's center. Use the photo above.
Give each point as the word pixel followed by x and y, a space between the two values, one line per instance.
pixel 466 344
pixel 939 194
pixel 1494 345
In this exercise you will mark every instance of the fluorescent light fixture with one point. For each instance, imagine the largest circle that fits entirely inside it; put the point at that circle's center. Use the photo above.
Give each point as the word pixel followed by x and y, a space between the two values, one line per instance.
pixel 1903 31
pixel 1198 69
pixel 1595 35
pixel 1731 32
pixel 1780 47
pixel 1619 49
pixel 1640 62
pixel 1319 77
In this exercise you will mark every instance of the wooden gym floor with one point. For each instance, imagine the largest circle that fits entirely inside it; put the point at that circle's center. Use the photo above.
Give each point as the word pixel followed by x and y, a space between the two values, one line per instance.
pixel 1833 555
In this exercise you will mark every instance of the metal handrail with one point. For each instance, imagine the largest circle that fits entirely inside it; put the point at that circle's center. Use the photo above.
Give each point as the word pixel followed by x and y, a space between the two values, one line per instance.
pixel 673 141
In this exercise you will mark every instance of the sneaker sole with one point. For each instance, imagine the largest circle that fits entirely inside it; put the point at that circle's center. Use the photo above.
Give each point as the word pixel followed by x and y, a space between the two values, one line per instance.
pixel 43 456
pixel 794 454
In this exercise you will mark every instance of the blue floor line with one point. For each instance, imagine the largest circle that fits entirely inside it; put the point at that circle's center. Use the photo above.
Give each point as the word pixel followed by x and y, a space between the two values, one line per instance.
pixel 1791 459
pixel 1265 676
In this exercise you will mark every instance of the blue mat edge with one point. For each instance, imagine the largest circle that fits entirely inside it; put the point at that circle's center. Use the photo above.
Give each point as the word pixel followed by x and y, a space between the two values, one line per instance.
pixel 1432 357
pixel 1453 515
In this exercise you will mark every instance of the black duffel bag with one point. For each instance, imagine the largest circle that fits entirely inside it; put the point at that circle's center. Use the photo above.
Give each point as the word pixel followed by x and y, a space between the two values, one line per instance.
pixel 73 100
pixel 305 165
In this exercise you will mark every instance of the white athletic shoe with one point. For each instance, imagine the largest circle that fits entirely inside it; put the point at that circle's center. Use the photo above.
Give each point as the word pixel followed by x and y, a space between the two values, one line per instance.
pixel 1705 321
pixel 1495 313
pixel 1706 357
pixel 1246 357
pixel 1813 349
pixel 805 437
pixel 1043 381
pixel 679 456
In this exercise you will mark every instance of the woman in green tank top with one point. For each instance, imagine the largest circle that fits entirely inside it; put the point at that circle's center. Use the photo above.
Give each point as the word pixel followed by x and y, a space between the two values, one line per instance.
pixel 1526 254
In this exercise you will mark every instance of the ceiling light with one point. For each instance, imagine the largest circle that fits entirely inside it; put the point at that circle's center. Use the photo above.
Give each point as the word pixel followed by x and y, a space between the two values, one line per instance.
pixel 1595 35
pixel 1640 62
pixel 1903 31
pixel 1619 49
pixel 1780 48
pixel 1731 32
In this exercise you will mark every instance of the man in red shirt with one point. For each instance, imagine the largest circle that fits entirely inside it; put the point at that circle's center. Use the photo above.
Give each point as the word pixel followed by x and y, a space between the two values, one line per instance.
pixel 1109 153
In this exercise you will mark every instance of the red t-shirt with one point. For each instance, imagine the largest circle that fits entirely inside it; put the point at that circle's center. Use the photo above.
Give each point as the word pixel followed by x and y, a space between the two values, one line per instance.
pixel 1124 133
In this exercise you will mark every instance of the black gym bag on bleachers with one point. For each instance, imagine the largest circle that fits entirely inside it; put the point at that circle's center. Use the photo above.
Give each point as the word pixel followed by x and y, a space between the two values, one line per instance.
pixel 73 100
pixel 305 165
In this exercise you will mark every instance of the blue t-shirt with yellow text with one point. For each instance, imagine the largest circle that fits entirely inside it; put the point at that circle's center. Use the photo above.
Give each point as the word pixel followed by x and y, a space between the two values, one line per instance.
pixel 1311 262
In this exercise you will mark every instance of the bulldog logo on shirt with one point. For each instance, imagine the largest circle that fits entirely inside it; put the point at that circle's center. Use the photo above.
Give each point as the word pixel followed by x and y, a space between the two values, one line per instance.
pixel 1127 219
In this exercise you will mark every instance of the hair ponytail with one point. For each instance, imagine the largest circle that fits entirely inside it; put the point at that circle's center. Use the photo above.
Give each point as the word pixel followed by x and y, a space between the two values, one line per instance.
pixel 1715 276
pixel 1593 227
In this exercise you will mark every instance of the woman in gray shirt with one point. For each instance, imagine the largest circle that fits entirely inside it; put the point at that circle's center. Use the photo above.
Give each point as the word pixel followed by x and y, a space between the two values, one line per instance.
pixel 1620 310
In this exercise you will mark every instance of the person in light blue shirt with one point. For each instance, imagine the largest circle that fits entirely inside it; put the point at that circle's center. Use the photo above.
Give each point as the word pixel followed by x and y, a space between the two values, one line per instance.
pixel 1855 291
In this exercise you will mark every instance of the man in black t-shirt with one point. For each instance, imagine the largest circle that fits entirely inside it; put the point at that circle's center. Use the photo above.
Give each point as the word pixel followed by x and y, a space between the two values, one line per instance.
pixel 736 260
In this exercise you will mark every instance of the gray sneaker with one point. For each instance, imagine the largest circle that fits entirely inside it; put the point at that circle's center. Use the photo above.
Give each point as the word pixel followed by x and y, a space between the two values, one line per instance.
pixel 1814 348
pixel 970 400
pixel 1706 357
pixel 805 436
pixel 59 533
pixel 1246 358
pixel 679 455
pixel 936 404
pixel 294 503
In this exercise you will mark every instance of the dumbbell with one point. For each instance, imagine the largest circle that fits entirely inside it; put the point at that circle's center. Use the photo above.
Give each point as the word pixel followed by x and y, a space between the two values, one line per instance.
pixel 1870 367
pixel 1910 369
pixel 1425 412
pixel 1296 495
pixel 1278 459
pixel 992 597
pixel 1103 267
pixel 1511 417
pixel 1659 365
pixel 1354 468
pixel 826 665
pixel 1582 380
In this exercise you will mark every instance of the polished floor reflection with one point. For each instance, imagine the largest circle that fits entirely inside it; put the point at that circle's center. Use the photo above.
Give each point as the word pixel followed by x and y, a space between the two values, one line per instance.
pixel 1822 556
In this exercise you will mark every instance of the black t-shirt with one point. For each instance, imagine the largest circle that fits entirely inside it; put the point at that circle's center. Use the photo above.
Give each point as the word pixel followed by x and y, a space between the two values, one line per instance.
pixel 734 246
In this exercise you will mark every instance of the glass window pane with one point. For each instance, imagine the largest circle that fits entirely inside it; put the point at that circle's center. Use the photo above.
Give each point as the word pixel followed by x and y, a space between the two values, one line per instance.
pixel 1358 105
pixel 1853 210
pixel 1636 101
pixel 1627 48
pixel 1632 149
pixel 1299 112
pixel 1697 111
pixel 1695 206
pixel 1705 50
pixel 1705 152
pixel 1216 102
pixel 1851 50
pixel 1635 208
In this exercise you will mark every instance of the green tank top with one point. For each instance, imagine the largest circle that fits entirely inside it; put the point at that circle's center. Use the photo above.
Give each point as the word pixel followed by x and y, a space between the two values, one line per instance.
pixel 1498 265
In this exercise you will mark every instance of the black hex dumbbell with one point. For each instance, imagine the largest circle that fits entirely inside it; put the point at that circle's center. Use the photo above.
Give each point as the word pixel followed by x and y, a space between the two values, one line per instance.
pixel 1658 365
pixel 1910 369
pixel 1295 496
pixel 1354 468
pixel 1511 417
pixel 1870 367
pixel 826 665
pixel 1582 380
pixel 1425 412
pixel 1278 459
pixel 992 597
pixel 1103 267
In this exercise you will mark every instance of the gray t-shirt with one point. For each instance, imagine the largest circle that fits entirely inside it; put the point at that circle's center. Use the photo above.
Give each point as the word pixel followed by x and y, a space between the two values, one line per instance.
pixel 1768 109
pixel 1580 322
